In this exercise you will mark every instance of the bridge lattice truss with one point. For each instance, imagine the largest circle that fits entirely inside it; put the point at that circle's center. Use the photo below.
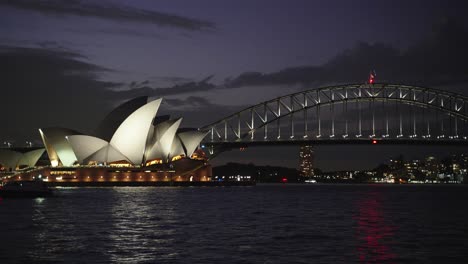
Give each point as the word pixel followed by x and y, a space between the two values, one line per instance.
pixel 354 113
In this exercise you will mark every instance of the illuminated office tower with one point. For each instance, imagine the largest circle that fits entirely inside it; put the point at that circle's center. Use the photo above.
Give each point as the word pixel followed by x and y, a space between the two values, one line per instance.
pixel 306 161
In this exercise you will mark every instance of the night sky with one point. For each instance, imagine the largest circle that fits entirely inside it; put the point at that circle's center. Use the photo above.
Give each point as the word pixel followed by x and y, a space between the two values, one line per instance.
pixel 68 63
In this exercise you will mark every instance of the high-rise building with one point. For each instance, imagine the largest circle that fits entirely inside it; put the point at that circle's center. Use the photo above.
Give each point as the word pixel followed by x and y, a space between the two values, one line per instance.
pixel 306 161
pixel 431 168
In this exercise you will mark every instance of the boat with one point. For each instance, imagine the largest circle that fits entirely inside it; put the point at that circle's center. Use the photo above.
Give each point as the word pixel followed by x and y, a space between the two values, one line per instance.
pixel 310 181
pixel 26 189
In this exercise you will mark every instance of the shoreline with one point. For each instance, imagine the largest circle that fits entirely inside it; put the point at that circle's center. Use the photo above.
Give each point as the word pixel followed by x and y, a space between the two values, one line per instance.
pixel 150 184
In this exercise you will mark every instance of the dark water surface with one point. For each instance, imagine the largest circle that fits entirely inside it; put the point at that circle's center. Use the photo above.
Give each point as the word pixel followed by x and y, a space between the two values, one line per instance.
pixel 261 224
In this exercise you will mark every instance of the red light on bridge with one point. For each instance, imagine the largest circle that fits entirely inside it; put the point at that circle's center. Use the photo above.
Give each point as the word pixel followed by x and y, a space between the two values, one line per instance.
pixel 374 141
pixel 284 180
pixel 372 76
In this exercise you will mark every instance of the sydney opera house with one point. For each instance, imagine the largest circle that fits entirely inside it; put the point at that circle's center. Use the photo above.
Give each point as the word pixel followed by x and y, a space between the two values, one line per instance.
pixel 131 145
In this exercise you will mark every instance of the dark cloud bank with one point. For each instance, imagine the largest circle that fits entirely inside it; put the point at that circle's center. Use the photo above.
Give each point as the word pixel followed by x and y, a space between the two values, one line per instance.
pixel 48 87
pixel 105 10
pixel 439 59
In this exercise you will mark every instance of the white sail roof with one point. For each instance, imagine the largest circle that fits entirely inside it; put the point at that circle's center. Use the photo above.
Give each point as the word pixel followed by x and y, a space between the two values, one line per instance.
pixel 84 146
pixel 89 148
pixel 106 154
pixel 58 148
pixel 30 158
pixel 9 158
pixel 164 134
pixel 176 147
pixel 13 159
pixel 131 136
pixel 191 140
pixel 114 119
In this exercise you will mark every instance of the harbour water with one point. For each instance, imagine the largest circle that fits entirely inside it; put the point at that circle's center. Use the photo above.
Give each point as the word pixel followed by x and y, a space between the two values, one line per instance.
pixel 282 223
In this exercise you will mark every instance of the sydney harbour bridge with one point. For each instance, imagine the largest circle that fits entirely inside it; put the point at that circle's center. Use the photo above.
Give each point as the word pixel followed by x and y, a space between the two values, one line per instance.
pixel 347 114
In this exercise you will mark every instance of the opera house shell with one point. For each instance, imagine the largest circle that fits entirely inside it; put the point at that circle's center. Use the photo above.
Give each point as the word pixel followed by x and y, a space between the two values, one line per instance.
pixel 131 135
pixel 11 160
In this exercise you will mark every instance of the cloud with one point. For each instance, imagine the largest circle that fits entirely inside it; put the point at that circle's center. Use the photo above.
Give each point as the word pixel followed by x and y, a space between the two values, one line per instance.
pixel 50 87
pixel 110 12
pixel 197 111
pixel 174 79
pixel 193 101
pixel 184 88
pixel 119 31
pixel 440 59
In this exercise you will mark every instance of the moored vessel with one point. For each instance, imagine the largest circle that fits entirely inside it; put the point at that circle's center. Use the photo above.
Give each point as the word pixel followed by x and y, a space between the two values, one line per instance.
pixel 25 189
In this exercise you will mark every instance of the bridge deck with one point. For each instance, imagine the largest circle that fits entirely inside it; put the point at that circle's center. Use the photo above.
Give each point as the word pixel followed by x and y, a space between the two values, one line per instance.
pixel 341 141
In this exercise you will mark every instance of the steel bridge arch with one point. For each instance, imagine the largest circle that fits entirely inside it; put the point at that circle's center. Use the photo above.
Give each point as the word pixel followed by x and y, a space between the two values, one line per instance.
pixel 450 103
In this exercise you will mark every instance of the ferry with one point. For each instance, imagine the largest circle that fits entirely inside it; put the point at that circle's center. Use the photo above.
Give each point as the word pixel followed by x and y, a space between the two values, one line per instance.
pixel 26 189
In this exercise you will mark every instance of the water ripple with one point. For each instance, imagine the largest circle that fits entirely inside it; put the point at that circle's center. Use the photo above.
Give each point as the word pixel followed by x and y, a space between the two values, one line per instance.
pixel 262 224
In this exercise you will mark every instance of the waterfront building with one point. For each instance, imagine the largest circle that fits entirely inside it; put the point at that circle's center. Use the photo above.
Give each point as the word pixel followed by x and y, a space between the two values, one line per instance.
pixel 132 143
